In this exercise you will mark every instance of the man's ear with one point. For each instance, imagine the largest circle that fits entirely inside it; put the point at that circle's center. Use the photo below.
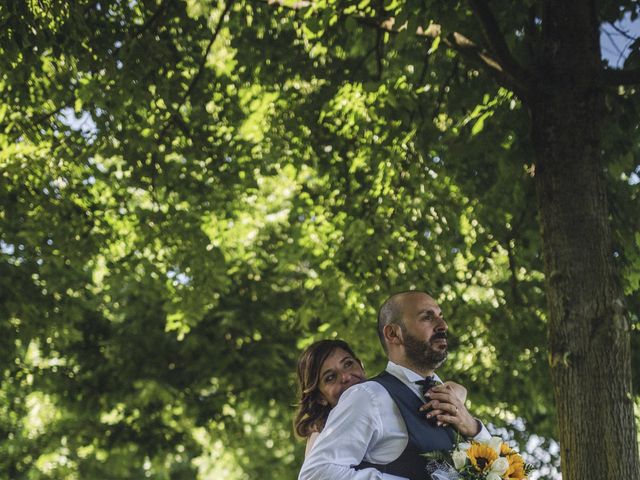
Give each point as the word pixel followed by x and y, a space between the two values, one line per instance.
pixel 392 334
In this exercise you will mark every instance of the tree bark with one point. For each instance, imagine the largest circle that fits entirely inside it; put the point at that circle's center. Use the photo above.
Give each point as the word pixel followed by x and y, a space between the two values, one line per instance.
pixel 589 330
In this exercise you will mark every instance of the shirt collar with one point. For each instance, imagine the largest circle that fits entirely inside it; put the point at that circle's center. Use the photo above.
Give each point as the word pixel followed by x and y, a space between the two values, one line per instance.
pixel 407 375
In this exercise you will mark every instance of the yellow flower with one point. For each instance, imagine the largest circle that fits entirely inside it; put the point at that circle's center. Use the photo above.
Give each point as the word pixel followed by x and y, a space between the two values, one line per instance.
pixel 481 456
pixel 516 468
pixel 506 450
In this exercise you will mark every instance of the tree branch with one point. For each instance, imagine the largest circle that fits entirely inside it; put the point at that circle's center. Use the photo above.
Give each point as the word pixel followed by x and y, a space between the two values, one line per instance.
pixel 465 47
pixel 531 33
pixel 622 32
pixel 516 78
pixel 152 20
pixel 497 44
pixel 445 85
pixel 203 60
pixel 610 37
pixel 380 41
pixel 281 3
pixel 473 52
pixel 175 113
pixel 513 280
pixel 614 78
pixel 425 65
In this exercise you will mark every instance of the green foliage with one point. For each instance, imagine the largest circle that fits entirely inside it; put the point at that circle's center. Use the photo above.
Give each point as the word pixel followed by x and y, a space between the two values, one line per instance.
pixel 251 177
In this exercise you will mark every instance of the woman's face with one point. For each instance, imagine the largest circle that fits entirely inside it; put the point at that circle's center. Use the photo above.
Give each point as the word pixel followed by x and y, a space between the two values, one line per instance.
pixel 337 373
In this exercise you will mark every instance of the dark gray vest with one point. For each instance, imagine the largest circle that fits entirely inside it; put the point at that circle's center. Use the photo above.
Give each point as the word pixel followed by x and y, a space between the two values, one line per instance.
pixel 423 437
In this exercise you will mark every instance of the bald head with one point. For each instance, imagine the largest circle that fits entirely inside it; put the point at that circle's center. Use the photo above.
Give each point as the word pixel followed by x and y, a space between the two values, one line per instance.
pixel 392 313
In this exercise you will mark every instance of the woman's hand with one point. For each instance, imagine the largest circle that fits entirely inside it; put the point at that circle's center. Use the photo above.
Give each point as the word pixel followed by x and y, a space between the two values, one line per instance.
pixel 446 405
pixel 457 389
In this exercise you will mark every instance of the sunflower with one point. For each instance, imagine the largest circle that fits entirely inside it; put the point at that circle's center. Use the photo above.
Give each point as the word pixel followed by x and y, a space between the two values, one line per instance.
pixel 506 450
pixel 481 456
pixel 516 470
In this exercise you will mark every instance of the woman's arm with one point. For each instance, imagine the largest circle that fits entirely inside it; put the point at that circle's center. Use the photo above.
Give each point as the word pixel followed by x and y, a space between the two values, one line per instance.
pixel 311 439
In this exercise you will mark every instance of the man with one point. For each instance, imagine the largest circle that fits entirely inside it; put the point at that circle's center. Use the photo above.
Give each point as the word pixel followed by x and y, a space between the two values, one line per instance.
pixel 378 429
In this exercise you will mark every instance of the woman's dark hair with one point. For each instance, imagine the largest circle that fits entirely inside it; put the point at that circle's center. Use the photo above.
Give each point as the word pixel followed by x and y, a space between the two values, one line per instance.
pixel 312 412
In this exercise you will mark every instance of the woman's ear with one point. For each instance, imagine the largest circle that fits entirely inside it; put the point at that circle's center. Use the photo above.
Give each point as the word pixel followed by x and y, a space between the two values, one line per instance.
pixel 323 402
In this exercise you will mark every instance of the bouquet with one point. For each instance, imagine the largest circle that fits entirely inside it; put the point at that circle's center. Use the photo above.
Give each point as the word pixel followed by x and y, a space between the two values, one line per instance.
pixel 488 460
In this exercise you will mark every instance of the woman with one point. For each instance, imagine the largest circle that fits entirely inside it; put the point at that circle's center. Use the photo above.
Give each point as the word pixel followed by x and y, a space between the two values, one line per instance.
pixel 325 370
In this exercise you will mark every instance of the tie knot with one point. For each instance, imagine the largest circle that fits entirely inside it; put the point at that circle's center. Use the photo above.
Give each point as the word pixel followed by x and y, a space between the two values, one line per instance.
pixel 427 383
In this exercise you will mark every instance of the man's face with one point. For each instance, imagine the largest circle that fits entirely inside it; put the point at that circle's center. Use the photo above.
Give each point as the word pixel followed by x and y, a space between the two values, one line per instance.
pixel 425 332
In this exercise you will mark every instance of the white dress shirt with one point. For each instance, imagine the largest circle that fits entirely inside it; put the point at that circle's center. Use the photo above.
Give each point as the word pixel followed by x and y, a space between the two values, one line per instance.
pixel 365 425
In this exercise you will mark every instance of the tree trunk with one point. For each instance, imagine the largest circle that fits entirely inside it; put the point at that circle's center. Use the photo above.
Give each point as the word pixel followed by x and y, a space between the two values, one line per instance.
pixel 589 330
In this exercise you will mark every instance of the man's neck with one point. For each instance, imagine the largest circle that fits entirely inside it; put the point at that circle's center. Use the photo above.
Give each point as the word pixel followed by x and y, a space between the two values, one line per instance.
pixel 423 372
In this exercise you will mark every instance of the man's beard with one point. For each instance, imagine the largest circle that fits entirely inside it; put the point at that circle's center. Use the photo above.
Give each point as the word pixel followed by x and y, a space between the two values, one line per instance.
pixel 421 354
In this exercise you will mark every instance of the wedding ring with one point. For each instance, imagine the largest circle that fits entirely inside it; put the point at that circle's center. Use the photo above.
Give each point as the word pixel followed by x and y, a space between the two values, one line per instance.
pixel 455 412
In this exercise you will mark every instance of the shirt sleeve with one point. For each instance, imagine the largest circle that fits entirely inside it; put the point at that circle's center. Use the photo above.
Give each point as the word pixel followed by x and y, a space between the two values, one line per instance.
pixel 353 426
pixel 483 434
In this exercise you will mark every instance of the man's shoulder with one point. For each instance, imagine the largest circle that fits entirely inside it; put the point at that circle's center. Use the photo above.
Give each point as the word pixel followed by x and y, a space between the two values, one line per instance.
pixel 367 391
pixel 367 400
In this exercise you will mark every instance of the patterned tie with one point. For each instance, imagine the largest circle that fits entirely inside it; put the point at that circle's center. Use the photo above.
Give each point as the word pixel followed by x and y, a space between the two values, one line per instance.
pixel 425 385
